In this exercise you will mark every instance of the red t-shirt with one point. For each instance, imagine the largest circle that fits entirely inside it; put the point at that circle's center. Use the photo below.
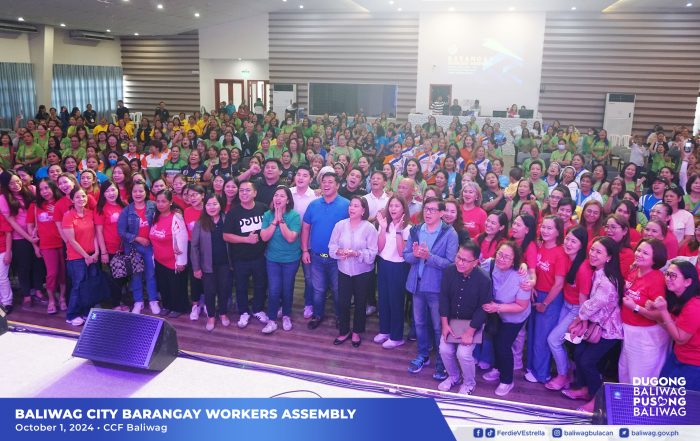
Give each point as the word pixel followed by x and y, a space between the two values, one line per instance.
pixel 5 228
pixel 124 195
pixel 640 289
pixel 582 284
pixel 161 236
pixel 488 249
pixel 84 230
pixel 689 321
pixel 49 237
pixel 108 219
pixel 635 237
pixel 551 262
pixel 144 228
pixel 686 251
pixel 474 221
pixel 191 218
pixel 626 261
pixel 671 244
pixel 65 204
pixel 529 255
pixel 177 200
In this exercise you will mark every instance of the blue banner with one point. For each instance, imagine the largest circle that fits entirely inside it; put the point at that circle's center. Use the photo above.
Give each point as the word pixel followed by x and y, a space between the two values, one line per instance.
pixel 221 419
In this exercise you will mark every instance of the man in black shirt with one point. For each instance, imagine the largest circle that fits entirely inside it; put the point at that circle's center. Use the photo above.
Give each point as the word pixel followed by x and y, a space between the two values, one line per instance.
pixel 267 185
pixel 249 141
pixel 352 185
pixel 242 229
pixel 455 108
pixel 90 117
pixel 464 289
pixel 121 110
pixel 162 113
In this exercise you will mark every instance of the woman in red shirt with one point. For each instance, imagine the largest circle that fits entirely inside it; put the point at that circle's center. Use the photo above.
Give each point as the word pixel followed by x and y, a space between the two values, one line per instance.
pixel 109 207
pixel 180 191
pixel 495 231
pixel 168 236
pixel 66 183
pixel 82 252
pixel 89 183
pixel 41 224
pixel 577 288
pixel 679 314
pixel 121 175
pixel 627 210
pixel 656 229
pixel 191 215
pixel 592 219
pixel 646 343
pixel 618 230
pixel 231 193
pixel 552 265
pixel 661 213
pixel 473 216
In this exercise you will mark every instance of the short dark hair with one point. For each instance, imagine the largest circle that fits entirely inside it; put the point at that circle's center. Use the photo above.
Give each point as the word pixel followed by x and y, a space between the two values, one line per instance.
pixel 658 250
pixel 430 200
pixel 304 167
pixel 472 247
pixel 275 160
pixel 247 181
pixel 290 198
pixel 365 206
pixel 378 172
pixel 335 177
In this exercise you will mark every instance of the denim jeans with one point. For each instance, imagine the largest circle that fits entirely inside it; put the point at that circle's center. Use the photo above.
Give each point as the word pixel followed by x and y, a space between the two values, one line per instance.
pixel 77 271
pixel 243 270
pixel 587 357
pixel 308 285
pixel 324 275
pixel 391 278
pixel 539 326
pixel 426 305
pixel 149 271
pixel 673 368
pixel 556 338
pixel 280 279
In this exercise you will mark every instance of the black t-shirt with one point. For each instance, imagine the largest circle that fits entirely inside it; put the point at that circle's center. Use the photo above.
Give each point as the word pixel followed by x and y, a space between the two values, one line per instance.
pixel 242 222
pixel 265 192
pixel 218 246
pixel 89 116
pixel 347 194
pixel 287 177
pixel 193 175
pixel 488 196
pixel 226 172
pixel 121 111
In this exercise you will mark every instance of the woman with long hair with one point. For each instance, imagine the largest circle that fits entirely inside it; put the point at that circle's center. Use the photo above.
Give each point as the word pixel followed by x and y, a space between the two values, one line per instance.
pixel 210 261
pixel 493 196
pixel 109 207
pixel 452 215
pixel 646 343
pixel 281 228
pixel 682 224
pixel 121 175
pixel 495 232
pixel 601 310
pixel 134 225
pixel 41 224
pixel 168 236
pixel 592 219
pixel 525 192
pixel 577 288
pixel 82 252
pixel 618 229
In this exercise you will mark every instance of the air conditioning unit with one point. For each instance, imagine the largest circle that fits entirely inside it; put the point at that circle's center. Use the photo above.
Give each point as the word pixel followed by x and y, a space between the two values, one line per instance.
pixel 90 36
pixel 14 27
pixel 619 113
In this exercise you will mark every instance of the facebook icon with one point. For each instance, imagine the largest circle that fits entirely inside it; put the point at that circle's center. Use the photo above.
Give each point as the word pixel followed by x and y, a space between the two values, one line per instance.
pixel 478 433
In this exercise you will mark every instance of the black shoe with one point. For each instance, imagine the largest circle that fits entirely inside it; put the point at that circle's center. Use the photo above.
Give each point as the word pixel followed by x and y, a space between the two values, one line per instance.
pixel 356 344
pixel 164 312
pixel 8 309
pixel 338 341
pixel 314 323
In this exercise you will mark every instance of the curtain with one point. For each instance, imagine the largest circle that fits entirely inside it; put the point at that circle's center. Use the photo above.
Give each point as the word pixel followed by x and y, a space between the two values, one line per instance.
pixel 76 86
pixel 17 93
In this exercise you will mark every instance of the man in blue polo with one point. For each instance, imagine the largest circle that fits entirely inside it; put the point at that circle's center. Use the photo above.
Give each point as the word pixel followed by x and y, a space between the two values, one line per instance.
pixel 319 220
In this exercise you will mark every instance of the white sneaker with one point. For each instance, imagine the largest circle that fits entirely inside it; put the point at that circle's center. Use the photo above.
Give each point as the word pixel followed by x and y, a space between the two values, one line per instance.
pixel 138 307
pixel 194 315
pixel 78 321
pixel 286 323
pixel 381 338
pixel 491 375
pixel 210 325
pixel 270 327
pixel 308 311
pixel 243 321
pixel 155 307
pixel 446 385
pixel 279 313
pixel 225 321
pixel 261 316
pixel 370 310
pixel 529 376
pixel 466 390
pixel 391 344
pixel 503 389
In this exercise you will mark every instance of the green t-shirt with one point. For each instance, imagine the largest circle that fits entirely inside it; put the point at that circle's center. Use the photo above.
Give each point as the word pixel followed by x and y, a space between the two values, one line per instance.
pixel 78 153
pixel 586 143
pixel 599 148
pixel 170 168
pixel 278 249
pixel 216 144
pixel 524 145
pixel 541 190
pixel 27 153
pixel 5 157
pixel 272 152
pixel 560 155
pixel 526 165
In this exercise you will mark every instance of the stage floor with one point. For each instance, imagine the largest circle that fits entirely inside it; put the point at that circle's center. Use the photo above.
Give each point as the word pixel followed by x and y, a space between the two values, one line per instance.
pixel 308 350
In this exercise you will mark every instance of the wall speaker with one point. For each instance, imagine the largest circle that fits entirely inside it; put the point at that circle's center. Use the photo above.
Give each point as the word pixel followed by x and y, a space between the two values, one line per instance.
pixel 627 404
pixel 125 339
pixel 3 320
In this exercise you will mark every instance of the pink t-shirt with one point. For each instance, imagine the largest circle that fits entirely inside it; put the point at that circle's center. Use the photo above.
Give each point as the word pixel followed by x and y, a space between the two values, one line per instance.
pixel 474 221
pixel 161 237
pixel 20 218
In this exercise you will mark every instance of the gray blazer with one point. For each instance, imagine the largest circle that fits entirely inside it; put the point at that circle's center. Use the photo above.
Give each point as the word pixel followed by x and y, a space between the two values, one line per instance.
pixel 200 250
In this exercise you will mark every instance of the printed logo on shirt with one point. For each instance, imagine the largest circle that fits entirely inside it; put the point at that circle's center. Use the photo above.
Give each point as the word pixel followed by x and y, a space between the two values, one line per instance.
pixel 142 224
pixel 190 226
pixel 543 265
pixel 251 224
pixel 45 216
pixel 158 234
pixel 470 225
pixel 114 218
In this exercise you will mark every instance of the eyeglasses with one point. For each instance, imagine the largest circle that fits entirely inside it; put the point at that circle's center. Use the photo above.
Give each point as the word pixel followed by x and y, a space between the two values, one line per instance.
pixel 461 259
pixel 613 227
pixel 431 210
pixel 503 256
pixel 671 275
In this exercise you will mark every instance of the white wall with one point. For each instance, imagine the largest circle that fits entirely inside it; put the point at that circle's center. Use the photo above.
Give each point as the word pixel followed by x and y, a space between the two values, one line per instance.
pixel 496 58
pixel 247 39
pixel 14 48
pixel 209 70
pixel 68 51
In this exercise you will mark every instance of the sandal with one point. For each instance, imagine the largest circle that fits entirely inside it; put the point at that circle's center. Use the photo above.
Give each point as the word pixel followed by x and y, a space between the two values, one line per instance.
pixel 51 309
pixel 575 394
pixel 63 305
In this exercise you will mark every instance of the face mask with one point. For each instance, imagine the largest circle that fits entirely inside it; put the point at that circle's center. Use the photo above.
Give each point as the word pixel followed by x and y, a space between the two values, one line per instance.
pixel 112 162
pixel 561 146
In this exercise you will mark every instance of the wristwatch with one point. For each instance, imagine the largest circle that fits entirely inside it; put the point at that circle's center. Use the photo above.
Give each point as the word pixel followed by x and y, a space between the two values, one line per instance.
pixel 636 309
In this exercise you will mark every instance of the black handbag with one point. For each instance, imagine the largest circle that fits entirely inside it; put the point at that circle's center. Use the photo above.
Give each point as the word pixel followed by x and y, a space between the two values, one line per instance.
pixel 124 265
pixel 94 289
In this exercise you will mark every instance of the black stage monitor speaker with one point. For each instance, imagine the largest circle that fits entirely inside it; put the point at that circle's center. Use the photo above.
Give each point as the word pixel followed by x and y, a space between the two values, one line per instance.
pixel 665 404
pixel 3 320
pixel 126 339
pixel 526 113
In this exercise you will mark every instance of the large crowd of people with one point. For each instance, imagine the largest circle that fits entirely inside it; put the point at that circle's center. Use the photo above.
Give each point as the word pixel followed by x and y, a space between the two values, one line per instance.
pixel 551 265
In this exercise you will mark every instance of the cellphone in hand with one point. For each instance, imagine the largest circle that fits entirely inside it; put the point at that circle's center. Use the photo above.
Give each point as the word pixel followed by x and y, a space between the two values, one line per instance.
pixel 688 147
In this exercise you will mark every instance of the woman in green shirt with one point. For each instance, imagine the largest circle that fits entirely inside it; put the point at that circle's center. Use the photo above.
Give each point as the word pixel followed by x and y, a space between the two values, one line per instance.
pixel 587 142
pixel 41 137
pixel 297 157
pixel 546 145
pixel 5 151
pixel 525 142
pixel 600 149
pixel 29 154
pixel 173 165
pixel 561 154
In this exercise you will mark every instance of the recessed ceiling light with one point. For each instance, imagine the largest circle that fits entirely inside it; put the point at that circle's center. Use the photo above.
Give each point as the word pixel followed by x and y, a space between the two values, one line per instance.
pixel 511 9
pixel 196 14
pixel 301 6
pixel 400 9
pixel 108 30
pixel 20 18
pixel 391 2
pixel 689 4
pixel 573 8
pixel 136 34
pixel 240 59
pixel 63 25
pixel 452 9
pixel 284 1
pixel 159 6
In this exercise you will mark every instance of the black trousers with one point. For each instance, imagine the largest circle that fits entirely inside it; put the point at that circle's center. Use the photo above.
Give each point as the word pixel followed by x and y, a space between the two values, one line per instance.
pixel 115 285
pixel 173 289
pixel 217 289
pixel 503 354
pixel 30 270
pixel 586 357
pixel 350 287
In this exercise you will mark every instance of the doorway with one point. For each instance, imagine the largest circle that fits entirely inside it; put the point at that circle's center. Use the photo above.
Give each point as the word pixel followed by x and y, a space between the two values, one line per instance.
pixel 229 91
pixel 259 89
